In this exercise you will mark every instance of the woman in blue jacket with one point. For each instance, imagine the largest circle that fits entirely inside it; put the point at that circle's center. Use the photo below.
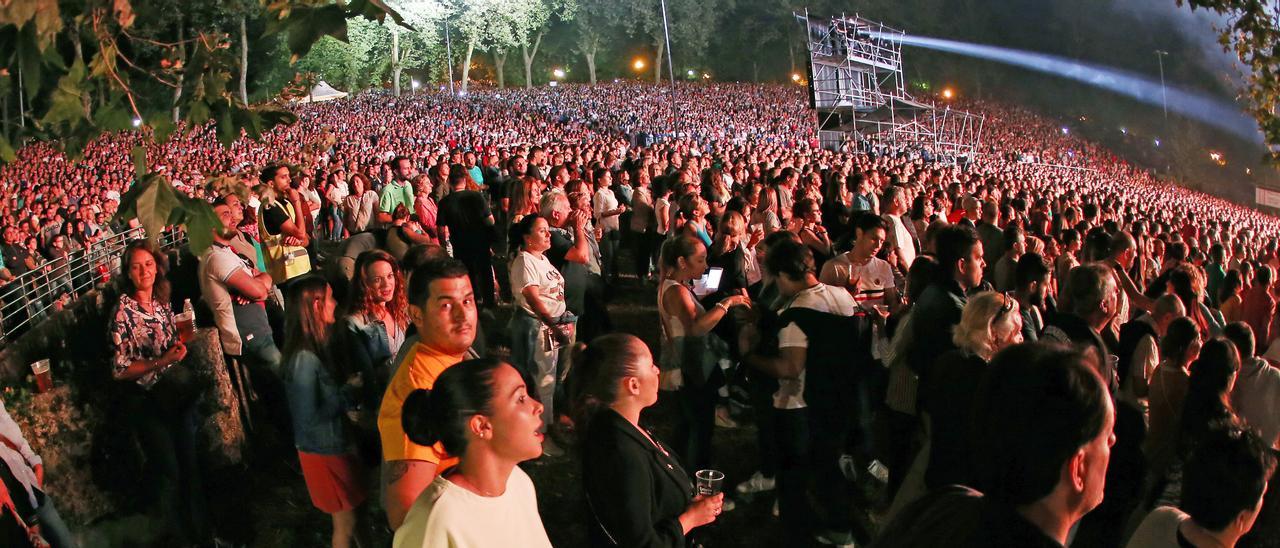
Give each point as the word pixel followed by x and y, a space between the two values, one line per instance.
pixel 314 385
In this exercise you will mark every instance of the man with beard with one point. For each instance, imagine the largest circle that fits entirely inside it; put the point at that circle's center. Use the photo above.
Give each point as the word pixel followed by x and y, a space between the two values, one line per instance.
pixel 1031 290
pixel 443 309
pixel 235 291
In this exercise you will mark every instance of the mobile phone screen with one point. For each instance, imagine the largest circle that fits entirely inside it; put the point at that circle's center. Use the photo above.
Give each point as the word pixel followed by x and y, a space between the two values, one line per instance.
pixel 713 278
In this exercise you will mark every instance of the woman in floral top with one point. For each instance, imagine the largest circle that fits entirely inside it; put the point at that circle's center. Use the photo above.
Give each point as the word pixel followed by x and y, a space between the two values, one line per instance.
pixel 148 354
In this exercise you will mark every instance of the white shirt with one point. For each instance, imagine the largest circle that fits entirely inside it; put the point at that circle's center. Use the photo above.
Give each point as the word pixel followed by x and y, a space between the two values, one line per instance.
pixel 21 461
pixel 874 277
pixel 603 201
pixel 1256 397
pixel 1159 529
pixel 906 246
pixel 822 298
pixel 448 516
pixel 529 269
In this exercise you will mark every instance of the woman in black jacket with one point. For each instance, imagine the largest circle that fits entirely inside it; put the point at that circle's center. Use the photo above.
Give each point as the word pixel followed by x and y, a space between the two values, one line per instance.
pixel 636 489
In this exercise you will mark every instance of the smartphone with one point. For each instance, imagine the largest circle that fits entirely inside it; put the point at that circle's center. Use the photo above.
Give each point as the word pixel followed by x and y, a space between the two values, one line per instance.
pixel 708 283
pixel 712 277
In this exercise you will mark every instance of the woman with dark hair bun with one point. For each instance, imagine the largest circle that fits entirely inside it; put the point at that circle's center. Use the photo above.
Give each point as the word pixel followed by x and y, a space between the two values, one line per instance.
pixel 481 411
pixel 651 503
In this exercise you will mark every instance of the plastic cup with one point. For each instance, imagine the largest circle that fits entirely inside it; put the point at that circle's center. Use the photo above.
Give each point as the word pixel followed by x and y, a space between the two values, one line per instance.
pixel 709 482
pixel 44 382
pixel 186 326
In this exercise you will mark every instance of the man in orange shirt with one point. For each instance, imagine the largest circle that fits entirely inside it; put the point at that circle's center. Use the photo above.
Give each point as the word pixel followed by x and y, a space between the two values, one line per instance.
pixel 443 310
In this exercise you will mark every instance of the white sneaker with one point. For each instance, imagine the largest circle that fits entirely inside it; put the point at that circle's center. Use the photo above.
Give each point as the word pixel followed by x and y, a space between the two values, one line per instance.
pixel 757 483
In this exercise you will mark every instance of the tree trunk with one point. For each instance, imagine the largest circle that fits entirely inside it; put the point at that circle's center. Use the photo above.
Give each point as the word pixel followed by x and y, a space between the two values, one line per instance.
pixel 591 64
pixel 499 61
pixel 528 60
pixel 182 55
pixel 244 61
pixel 395 59
pixel 657 61
pixel 466 63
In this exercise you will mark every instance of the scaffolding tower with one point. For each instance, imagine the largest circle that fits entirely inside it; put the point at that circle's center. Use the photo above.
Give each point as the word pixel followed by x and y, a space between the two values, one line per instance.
pixel 857 88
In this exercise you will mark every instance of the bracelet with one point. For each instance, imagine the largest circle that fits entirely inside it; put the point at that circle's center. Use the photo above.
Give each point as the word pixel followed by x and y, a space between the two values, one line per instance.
pixel 722 306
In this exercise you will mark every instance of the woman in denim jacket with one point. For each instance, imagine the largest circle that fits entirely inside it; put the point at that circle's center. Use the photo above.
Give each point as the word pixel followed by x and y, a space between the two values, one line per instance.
pixel 314 385
pixel 373 324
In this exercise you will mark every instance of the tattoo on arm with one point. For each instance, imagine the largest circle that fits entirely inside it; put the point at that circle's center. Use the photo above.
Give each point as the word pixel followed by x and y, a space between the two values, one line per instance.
pixel 396 469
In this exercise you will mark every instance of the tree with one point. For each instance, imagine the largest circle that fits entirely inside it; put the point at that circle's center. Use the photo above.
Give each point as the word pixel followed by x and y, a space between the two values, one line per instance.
pixel 593 21
pixel 484 25
pixel 1253 35
pixel 689 22
pixel 529 20
pixel 145 61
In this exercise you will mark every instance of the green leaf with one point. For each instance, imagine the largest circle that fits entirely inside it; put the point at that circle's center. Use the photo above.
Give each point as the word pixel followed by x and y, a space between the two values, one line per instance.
pixel 139 154
pixel 305 25
pixel 155 204
pixel 65 106
pixel 112 117
pixel 228 131
pixel 200 220
pixel 7 153
pixel 29 60
pixel 197 113
pixel 161 124
pixel 376 10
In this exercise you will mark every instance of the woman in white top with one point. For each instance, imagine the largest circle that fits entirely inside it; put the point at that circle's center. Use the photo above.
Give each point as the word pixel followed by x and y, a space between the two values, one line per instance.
pixel 684 320
pixel 357 207
pixel 541 327
pixel 480 410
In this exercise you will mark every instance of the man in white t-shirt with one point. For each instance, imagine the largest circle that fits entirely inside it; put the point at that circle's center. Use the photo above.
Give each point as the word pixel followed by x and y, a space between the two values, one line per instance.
pixel 868 278
pixel 900 233
pixel 791 264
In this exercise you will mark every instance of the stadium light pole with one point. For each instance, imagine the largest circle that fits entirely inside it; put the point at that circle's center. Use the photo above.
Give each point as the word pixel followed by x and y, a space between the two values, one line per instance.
pixel 1164 99
pixel 1164 102
pixel 666 36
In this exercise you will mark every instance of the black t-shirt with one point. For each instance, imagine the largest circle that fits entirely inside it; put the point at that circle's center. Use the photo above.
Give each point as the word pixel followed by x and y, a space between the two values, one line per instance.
pixel 466 213
pixel 273 218
pixel 15 259
pixel 575 274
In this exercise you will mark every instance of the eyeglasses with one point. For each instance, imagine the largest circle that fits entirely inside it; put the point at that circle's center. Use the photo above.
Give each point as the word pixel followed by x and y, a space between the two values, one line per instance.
pixel 1006 308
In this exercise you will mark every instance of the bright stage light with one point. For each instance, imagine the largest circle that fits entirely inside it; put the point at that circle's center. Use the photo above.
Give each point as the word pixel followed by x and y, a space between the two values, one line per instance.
pixel 795 77
pixel 947 93
pixel 1124 130
pixel 558 73
pixel 137 122
pixel 414 84
pixel 691 73
pixel 1157 142
pixel 1066 130
pixel 638 64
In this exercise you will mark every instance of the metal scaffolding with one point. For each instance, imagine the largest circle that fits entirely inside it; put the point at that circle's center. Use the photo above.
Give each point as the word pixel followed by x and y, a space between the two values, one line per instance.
pixel 858 91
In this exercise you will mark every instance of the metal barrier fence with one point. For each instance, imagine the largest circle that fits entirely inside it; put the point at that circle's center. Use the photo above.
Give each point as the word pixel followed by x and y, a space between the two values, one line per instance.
pixel 32 297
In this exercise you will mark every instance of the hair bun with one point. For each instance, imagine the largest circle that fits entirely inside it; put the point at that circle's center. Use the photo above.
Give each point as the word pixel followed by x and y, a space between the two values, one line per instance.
pixel 415 418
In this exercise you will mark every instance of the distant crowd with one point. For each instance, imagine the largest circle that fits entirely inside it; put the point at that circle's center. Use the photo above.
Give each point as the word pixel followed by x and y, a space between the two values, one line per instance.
pixel 1015 352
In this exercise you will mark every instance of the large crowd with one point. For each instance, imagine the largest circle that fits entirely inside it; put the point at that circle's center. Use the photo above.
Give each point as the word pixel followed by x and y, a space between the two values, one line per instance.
pixel 1039 344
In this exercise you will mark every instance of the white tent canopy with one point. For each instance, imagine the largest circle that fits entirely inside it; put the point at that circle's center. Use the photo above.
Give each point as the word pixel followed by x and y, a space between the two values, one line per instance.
pixel 322 92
